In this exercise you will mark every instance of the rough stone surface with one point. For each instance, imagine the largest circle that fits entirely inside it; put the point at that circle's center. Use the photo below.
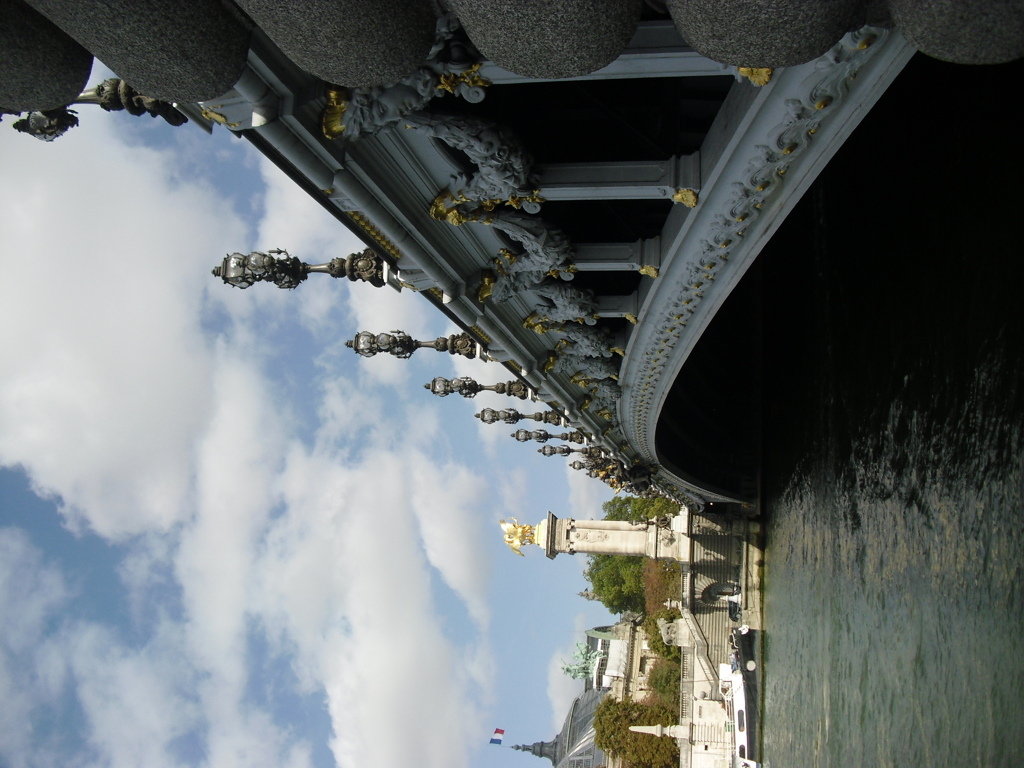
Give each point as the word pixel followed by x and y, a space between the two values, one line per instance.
pixel 877 14
pixel 175 50
pixel 963 31
pixel 40 66
pixel 349 42
pixel 545 38
pixel 764 33
pixel 874 13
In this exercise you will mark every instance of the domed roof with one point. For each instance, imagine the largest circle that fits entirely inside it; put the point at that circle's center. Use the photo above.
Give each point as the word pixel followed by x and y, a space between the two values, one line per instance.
pixel 576 739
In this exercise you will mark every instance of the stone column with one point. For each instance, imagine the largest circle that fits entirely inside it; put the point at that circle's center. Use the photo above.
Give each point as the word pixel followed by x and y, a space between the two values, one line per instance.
pixel 637 180
pixel 672 731
pixel 614 537
pixel 619 257
pixel 618 306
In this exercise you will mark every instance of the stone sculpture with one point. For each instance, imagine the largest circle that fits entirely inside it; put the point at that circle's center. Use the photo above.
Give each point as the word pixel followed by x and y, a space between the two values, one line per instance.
pixel 504 167
pixel 584 661
pixel 583 341
pixel 672 632
pixel 450 67
pixel 543 249
pixel 560 302
pixel 584 369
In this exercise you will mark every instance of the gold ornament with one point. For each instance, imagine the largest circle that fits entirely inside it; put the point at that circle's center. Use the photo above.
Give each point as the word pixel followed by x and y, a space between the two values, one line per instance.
pixel 517 535
pixel 757 75
pixel 687 197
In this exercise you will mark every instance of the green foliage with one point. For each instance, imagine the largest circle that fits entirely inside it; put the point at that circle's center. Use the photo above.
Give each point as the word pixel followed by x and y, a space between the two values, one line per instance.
pixel 611 726
pixel 617 581
pixel 654 641
pixel 638 510
pixel 664 679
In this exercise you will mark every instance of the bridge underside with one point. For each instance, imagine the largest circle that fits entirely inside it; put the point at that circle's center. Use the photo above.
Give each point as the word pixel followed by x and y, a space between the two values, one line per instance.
pixel 709 429
pixel 846 294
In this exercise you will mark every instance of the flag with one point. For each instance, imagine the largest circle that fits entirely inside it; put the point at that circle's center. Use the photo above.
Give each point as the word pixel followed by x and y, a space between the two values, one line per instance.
pixel 498 733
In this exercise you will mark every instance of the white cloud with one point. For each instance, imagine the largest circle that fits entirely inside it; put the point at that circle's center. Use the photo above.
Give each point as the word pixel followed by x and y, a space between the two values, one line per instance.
pixel 295 223
pixel 346 580
pixel 586 495
pixel 381 310
pixel 104 370
pixel 447 508
pixel 29 594
pixel 134 701
pixel 157 431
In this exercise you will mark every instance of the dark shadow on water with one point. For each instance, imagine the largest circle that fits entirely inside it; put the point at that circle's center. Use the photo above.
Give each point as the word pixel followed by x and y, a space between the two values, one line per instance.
pixel 899 276
pixel 893 407
pixel 709 429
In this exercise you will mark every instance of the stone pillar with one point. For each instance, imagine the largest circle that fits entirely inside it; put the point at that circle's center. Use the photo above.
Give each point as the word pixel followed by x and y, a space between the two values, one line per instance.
pixel 636 180
pixel 619 257
pixel 618 306
pixel 672 731
pixel 614 537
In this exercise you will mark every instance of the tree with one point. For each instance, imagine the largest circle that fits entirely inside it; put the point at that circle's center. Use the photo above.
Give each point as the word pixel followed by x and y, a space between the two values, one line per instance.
pixel 638 510
pixel 617 581
pixel 611 733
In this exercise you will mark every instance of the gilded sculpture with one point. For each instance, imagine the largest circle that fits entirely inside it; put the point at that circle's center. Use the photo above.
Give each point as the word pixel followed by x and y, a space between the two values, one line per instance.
pixel 517 535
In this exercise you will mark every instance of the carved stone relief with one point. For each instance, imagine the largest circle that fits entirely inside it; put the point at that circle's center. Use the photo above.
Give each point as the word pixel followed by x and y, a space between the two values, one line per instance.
pixel 764 176
pixel 450 67
pixel 504 168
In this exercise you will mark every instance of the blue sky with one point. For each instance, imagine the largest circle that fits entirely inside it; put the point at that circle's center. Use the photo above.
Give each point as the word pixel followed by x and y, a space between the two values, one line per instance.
pixel 224 539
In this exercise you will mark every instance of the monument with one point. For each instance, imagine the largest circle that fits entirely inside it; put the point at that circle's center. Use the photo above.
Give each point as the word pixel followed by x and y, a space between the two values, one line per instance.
pixel 661 538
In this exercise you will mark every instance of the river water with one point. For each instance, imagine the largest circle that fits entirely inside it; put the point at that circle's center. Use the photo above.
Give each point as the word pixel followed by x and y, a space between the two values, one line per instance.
pixel 893 468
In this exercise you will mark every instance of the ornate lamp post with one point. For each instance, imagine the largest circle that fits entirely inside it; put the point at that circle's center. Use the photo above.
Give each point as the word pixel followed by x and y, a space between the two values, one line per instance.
pixel 467 387
pixel 555 450
pixel 113 95
pixel 590 452
pixel 611 471
pixel 401 345
pixel 512 416
pixel 542 436
pixel 286 271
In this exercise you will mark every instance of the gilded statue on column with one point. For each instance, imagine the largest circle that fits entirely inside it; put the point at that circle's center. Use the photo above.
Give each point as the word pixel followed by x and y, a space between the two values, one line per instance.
pixel 517 535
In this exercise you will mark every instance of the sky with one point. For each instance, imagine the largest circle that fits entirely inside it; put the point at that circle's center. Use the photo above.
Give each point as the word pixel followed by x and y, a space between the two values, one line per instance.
pixel 226 540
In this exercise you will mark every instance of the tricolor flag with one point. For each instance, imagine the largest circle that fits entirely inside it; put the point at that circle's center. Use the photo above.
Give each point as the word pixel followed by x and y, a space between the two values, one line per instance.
pixel 498 733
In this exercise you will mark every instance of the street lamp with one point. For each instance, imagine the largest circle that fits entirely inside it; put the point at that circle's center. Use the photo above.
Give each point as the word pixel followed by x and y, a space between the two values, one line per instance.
pixel 286 271
pixel 542 436
pixel 467 387
pixel 113 95
pixel 590 452
pixel 399 344
pixel 512 416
